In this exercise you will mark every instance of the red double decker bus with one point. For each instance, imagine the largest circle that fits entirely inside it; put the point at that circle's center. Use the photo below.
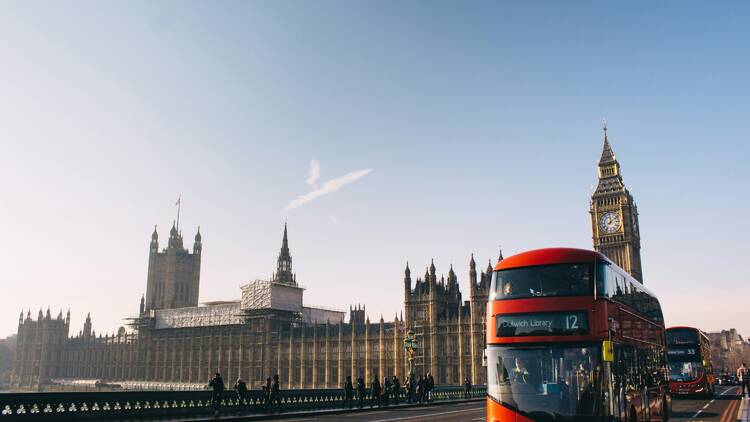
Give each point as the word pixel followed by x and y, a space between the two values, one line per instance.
pixel 689 358
pixel 572 337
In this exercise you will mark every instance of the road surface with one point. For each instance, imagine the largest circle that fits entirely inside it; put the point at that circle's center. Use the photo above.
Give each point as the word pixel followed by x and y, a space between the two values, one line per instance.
pixel 458 412
pixel 722 408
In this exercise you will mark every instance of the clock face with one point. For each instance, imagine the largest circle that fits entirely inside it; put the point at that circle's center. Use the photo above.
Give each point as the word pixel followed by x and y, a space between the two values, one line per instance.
pixel 610 222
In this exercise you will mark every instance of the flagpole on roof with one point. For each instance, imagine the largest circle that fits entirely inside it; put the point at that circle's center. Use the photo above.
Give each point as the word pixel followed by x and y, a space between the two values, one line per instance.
pixel 179 205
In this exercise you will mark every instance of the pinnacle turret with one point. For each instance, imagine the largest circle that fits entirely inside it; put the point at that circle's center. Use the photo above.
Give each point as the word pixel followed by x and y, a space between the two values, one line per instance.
pixel 608 156
pixel 284 272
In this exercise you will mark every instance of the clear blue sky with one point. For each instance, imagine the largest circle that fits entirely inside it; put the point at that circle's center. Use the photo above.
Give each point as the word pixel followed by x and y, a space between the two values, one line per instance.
pixel 480 123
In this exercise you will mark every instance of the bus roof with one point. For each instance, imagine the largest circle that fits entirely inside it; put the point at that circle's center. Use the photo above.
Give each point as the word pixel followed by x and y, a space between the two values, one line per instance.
pixel 550 256
pixel 681 327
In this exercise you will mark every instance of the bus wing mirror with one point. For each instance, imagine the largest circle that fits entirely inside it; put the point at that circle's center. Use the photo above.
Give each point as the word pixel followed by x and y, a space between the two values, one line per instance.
pixel 608 351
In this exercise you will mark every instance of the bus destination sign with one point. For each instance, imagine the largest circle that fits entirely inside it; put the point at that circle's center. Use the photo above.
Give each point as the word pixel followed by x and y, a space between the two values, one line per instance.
pixel 681 352
pixel 542 324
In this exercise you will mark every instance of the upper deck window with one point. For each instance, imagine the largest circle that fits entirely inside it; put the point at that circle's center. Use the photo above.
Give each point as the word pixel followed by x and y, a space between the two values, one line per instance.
pixel 681 336
pixel 543 281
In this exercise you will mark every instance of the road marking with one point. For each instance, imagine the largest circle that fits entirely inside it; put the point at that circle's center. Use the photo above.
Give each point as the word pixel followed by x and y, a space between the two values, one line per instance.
pixel 709 403
pixel 426 416
pixel 729 413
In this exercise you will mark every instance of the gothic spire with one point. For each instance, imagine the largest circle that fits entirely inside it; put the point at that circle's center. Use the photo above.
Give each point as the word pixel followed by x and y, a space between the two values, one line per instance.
pixel 284 263
pixel 608 156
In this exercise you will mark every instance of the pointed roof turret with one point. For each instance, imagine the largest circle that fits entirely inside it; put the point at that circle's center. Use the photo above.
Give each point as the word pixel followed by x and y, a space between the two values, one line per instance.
pixel 173 230
pixel 198 236
pixel 608 156
pixel 472 263
pixel 284 272
pixel 285 241
pixel 610 179
pixel 407 271
pixel 432 266
pixel 154 235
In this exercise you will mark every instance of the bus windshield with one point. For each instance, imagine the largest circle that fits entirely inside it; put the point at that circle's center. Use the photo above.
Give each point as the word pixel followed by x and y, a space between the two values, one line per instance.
pixel 685 371
pixel 681 337
pixel 543 281
pixel 546 382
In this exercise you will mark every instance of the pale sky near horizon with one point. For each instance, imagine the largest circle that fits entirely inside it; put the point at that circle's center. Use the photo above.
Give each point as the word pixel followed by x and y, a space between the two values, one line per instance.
pixel 440 128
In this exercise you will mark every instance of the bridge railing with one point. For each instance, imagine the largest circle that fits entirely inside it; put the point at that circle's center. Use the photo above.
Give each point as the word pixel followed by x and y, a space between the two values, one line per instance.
pixel 134 404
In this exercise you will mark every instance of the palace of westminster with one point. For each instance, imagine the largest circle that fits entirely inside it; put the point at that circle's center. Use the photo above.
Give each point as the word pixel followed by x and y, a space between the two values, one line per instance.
pixel 175 342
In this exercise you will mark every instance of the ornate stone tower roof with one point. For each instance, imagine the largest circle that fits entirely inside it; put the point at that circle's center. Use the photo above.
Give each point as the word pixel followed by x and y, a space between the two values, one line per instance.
pixel 284 272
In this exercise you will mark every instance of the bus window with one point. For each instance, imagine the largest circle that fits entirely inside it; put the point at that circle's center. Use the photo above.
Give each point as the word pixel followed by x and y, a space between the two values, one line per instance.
pixel 543 281
pixel 606 285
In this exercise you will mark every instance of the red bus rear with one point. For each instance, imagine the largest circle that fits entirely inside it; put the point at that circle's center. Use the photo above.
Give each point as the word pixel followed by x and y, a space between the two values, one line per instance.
pixel 689 358
pixel 572 337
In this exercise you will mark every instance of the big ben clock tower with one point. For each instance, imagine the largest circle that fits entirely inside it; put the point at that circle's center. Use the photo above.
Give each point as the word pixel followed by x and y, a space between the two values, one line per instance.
pixel 614 216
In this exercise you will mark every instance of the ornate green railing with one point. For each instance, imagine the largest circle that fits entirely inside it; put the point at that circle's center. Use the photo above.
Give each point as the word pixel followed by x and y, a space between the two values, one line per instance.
pixel 135 404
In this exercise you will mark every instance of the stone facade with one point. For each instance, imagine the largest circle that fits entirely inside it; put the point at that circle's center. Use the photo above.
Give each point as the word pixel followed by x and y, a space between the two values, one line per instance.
pixel 174 274
pixel 175 341
pixel 614 216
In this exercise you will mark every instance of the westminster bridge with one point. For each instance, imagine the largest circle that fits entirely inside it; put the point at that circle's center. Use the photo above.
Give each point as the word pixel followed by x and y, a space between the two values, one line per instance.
pixel 196 405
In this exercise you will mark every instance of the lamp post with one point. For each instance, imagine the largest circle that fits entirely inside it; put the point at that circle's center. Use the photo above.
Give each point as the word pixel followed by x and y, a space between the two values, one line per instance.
pixel 410 346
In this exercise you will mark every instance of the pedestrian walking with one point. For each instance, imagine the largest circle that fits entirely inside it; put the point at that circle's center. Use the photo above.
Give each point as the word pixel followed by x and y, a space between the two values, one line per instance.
pixel 275 394
pixel 467 388
pixel 743 376
pixel 267 395
pixel 396 389
pixel 420 389
pixel 241 388
pixel 348 392
pixel 387 390
pixel 361 392
pixel 375 391
pixel 430 386
pixel 217 389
